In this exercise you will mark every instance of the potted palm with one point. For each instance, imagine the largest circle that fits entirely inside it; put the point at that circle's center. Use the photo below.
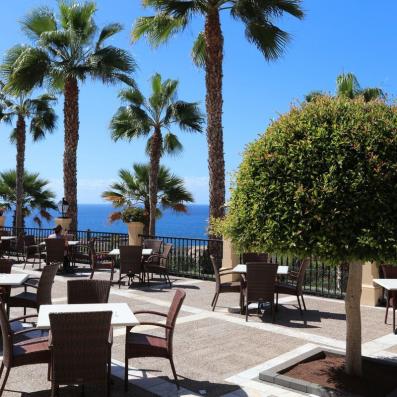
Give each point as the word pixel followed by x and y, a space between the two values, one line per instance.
pixel 134 217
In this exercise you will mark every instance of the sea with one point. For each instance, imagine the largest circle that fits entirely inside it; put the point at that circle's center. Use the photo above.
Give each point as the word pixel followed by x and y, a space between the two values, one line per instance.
pixel 192 224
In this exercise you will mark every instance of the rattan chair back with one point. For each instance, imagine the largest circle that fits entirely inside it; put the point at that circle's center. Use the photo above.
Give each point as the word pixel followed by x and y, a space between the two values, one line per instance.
pixel 88 291
pixel 165 254
pixel 55 250
pixel 29 240
pixel 130 259
pixel 44 286
pixel 173 311
pixel 5 266
pixel 216 271
pixel 255 257
pixel 389 271
pixel 79 348
pixel 153 244
pixel 261 281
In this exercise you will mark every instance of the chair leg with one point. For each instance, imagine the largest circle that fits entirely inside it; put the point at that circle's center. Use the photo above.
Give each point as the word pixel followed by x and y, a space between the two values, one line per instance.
pixel 246 311
pixel 276 301
pixel 92 274
pixel 82 391
pixel 387 307
pixel 299 303
pixel 215 300
pixel 126 374
pixel 304 304
pixel 1 369
pixel 273 312
pixel 4 381
pixel 174 372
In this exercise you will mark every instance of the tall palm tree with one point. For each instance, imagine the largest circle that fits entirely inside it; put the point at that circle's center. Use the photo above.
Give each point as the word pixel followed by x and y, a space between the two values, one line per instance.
pixel 133 190
pixel 42 119
pixel 67 49
pixel 258 17
pixel 141 117
pixel 347 86
pixel 37 199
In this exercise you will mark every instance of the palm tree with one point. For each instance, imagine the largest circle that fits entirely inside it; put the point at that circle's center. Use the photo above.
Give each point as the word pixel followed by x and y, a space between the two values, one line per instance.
pixel 141 117
pixel 36 196
pixel 347 86
pixel 258 17
pixel 133 190
pixel 42 119
pixel 67 50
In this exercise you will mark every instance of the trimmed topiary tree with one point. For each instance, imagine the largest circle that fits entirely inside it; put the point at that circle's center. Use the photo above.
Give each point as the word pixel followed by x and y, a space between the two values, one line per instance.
pixel 322 182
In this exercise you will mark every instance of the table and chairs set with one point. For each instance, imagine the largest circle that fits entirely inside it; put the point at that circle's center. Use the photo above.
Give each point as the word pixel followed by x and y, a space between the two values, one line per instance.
pixel 75 338
pixel 261 282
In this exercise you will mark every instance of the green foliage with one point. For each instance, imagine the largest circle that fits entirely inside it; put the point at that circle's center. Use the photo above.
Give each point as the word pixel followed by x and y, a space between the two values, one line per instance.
pixel 133 214
pixel 322 181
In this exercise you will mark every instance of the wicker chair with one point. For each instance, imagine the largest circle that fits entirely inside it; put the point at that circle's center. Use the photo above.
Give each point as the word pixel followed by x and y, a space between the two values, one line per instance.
pixel 223 286
pixel 55 250
pixel 390 271
pixel 5 268
pixel 130 263
pixel 100 260
pixel 5 244
pixel 153 244
pixel 260 285
pixel 80 349
pixel 157 264
pixel 80 253
pixel 31 250
pixel 16 354
pixel 18 246
pixel 294 284
pixel 41 297
pixel 255 257
pixel 144 345
pixel 88 291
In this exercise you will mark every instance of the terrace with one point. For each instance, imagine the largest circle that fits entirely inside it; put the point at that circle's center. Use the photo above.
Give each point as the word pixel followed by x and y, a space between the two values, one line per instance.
pixel 216 353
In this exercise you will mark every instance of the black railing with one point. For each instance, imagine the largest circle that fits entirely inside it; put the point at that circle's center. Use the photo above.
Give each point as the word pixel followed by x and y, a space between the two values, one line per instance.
pixel 191 258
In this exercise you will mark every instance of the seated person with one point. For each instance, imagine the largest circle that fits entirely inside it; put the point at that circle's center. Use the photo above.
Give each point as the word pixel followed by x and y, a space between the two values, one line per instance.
pixel 58 234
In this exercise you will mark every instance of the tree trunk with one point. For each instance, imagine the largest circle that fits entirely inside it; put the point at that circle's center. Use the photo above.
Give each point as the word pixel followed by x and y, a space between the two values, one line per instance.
pixel 353 320
pixel 214 103
pixel 155 153
pixel 71 121
pixel 20 142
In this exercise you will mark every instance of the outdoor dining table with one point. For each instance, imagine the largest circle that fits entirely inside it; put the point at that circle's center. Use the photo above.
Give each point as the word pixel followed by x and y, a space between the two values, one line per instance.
pixel 13 279
pixel 389 284
pixel 8 238
pixel 242 269
pixel 71 243
pixel 145 252
pixel 122 314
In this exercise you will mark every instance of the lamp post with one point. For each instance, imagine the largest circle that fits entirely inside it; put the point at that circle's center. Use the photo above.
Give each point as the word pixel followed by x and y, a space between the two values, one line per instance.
pixel 63 219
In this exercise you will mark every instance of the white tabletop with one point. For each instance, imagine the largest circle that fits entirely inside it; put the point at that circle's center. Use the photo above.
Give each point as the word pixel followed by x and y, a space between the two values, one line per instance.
pixel 242 269
pixel 145 252
pixel 13 279
pixel 122 314
pixel 8 237
pixel 387 283
pixel 73 242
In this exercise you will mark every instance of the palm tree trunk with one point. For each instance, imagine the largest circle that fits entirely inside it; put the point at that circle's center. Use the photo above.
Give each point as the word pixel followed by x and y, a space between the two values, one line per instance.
pixel 353 320
pixel 71 121
pixel 214 103
pixel 155 153
pixel 20 142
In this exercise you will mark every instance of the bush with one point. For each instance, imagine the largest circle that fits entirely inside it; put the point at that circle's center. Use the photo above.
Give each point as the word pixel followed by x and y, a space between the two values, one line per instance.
pixel 321 181
pixel 133 214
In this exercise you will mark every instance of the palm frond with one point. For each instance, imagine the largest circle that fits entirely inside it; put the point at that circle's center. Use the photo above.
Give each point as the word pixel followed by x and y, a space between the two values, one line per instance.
pixel 171 144
pixel 198 51
pixel 132 96
pixel 347 85
pixel 39 21
pixel 371 94
pixel 106 32
pixel 187 115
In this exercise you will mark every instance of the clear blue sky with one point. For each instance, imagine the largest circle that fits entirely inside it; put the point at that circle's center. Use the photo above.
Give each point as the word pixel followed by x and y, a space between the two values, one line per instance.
pixel 336 36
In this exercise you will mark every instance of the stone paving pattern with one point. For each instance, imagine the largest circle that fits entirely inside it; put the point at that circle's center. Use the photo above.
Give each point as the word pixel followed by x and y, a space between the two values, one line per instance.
pixel 216 353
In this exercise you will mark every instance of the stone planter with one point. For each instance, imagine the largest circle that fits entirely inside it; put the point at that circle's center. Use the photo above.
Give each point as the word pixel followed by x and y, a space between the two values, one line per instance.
pixel 64 222
pixel 2 220
pixel 135 229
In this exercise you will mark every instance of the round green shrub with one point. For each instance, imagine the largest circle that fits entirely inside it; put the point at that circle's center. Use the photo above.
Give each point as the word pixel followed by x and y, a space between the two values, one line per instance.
pixel 321 181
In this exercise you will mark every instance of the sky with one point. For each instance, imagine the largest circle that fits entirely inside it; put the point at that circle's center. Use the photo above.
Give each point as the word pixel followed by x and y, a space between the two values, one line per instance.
pixel 335 36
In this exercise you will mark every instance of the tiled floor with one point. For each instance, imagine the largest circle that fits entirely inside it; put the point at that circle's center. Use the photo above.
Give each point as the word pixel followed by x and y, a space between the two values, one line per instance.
pixel 216 353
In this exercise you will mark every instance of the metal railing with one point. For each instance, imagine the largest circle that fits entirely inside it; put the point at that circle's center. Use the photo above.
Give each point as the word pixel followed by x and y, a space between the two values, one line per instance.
pixel 190 257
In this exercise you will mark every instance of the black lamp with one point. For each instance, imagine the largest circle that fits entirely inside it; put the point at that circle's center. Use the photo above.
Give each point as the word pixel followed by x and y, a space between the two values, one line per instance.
pixel 63 207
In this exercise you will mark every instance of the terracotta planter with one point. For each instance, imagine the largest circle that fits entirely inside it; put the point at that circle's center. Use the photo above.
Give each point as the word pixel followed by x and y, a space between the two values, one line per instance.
pixel 64 222
pixel 135 229
pixel 2 220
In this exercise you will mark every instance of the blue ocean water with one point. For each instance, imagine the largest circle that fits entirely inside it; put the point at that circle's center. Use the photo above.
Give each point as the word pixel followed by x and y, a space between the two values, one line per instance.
pixel 193 224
